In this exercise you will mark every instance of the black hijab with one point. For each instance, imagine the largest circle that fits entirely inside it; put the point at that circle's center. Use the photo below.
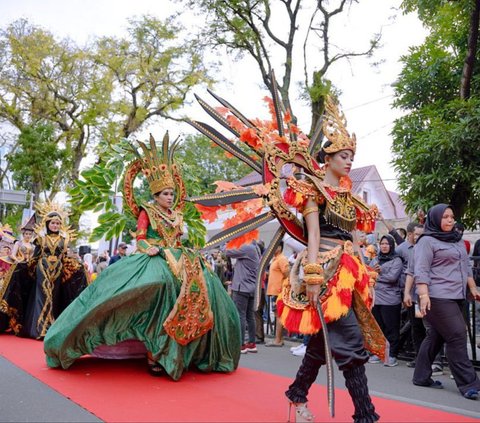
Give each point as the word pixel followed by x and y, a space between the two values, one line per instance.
pixel 433 225
pixel 383 258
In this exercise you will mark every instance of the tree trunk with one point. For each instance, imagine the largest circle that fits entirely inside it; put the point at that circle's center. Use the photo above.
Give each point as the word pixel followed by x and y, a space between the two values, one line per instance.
pixel 460 197
pixel 462 191
pixel 466 81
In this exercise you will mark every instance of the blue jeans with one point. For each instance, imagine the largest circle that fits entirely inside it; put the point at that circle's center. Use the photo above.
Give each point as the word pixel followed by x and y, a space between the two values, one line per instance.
pixel 245 306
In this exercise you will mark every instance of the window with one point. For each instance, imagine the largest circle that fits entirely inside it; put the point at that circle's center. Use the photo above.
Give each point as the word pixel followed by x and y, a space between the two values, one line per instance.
pixel 365 196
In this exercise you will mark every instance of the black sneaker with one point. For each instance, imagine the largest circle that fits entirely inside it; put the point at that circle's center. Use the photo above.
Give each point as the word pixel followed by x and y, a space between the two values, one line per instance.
pixel 411 364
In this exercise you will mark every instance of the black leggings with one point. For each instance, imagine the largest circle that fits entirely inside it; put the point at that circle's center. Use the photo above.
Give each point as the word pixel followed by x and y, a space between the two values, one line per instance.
pixel 388 318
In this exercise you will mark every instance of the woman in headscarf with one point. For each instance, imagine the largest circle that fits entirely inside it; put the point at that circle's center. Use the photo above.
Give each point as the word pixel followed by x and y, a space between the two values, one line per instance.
pixel 388 302
pixel 443 279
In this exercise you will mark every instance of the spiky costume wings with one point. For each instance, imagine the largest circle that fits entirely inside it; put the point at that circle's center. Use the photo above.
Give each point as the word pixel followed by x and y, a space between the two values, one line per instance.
pixel 273 145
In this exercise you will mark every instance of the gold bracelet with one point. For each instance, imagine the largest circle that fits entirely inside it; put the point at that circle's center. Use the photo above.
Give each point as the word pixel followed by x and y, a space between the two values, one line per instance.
pixel 313 268
pixel 314 279
pixel 422 295
pixel 309 210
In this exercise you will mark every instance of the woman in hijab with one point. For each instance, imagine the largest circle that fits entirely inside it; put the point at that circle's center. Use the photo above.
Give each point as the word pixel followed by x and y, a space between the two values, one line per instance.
pixel 443 278
pixel 388 301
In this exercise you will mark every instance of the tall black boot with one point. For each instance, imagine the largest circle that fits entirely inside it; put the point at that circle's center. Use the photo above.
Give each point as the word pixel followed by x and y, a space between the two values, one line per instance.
pixel 306 375
pixel 356 383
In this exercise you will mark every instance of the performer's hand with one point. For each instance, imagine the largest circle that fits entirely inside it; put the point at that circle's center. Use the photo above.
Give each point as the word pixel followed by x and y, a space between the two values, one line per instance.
pixel 407 299
pixel 313 292
pixel 424 305
pixel 153 251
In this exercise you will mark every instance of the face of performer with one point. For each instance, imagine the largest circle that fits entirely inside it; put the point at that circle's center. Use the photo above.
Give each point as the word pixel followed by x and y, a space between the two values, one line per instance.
pixel 54 225
pixel 448 220
pixel 27 235
pixel 340 163
pixel 5 251
pixel 384 246
pixel 165 198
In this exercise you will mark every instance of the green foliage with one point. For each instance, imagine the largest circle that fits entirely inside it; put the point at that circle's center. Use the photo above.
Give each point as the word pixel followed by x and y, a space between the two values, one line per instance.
pixel 152 70
pixel 436 142
pixel 206 163
pixel 35 162
pixel 103 91
pixel 95 192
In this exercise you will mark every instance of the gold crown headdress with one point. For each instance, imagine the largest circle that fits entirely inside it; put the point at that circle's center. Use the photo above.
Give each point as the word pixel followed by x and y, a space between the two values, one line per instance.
pixel 334 129
pixel 51 211
pixel 158 169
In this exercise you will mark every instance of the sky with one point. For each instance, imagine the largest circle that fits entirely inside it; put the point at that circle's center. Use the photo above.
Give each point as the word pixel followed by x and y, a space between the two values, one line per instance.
pixel 366 90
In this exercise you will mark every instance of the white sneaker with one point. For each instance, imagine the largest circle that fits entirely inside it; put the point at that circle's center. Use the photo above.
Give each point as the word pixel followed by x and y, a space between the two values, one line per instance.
pixel 374 360
pixel 392 362
pixel 296 347
pixel 300 352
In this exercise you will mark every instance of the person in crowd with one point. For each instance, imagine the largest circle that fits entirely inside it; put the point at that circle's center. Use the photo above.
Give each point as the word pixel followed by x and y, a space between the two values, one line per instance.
pixel 219 266
pixel 57 279
pixel 443 279
pixel 101 264
pixel 88 263
pixel 333 275
pixel 279 271
pixel 23 250
pixel 121 253
pixel 259 312
pixel 403 251
pixel 6 260
pixel 371 249
pixel 460 228
pixel 228 275
pixel 388 303
pixel 162 303
pixel 398 234
pixel 476 253
pixel 410 300
pixel 243 289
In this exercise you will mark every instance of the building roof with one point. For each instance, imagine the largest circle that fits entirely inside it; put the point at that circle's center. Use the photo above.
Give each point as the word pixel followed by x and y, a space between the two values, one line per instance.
pixel 358 176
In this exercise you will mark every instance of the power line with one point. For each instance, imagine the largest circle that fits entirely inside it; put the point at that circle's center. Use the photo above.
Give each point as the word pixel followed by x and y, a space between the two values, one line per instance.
pixel 368 102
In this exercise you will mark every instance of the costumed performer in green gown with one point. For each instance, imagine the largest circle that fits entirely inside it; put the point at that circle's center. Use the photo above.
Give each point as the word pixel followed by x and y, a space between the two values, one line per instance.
pixel 164 296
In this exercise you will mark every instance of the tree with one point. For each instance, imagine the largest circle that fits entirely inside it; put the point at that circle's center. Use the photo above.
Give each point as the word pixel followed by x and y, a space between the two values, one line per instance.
pixel 34 163
pixel 250 27
pixel 152 71
pixel 436 142
pixel 209 164
pixel 50 81
pixel 105 91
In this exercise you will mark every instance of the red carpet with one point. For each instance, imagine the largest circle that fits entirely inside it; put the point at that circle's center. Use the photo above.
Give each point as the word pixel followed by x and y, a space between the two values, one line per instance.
pixel 123 391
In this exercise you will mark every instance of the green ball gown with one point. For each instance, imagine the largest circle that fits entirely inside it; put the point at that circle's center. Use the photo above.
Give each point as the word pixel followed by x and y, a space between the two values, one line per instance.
pixel 171 302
